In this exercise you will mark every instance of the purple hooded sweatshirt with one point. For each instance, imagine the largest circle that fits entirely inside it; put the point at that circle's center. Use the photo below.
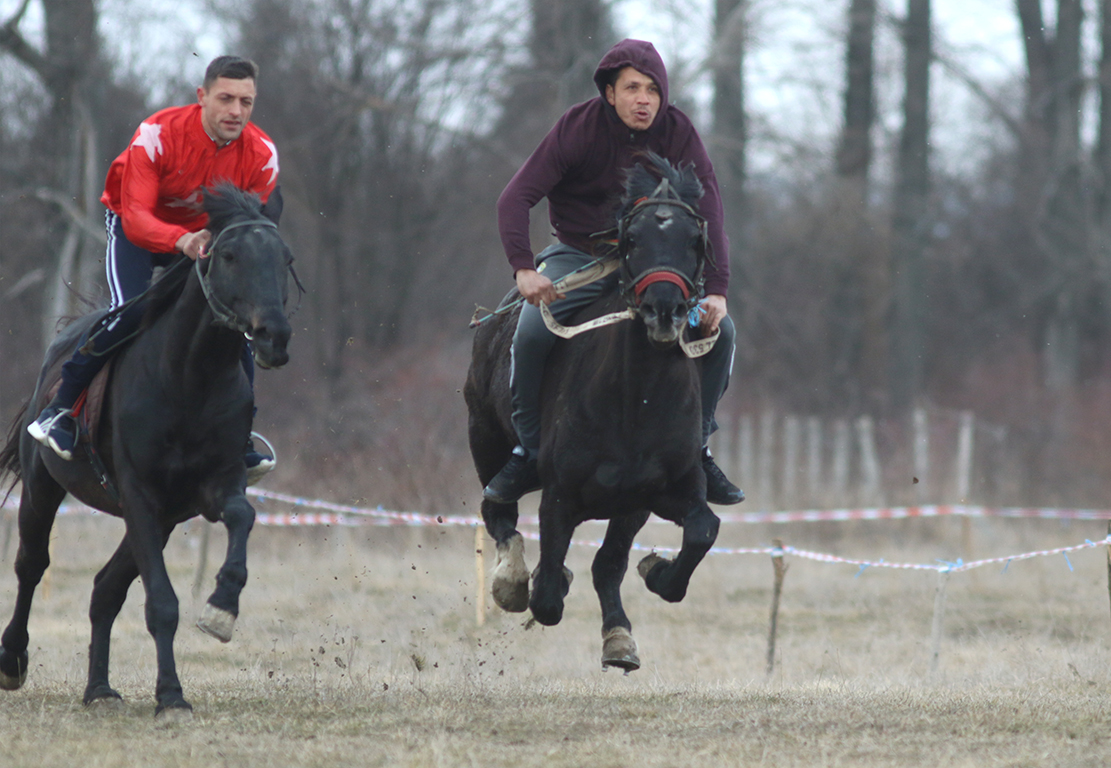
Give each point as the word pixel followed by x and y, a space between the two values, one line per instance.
pixel 580 167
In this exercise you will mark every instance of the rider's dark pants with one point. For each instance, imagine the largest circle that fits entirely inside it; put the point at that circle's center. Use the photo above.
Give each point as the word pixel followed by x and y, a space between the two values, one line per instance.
pixel 129 269
pixel 533 341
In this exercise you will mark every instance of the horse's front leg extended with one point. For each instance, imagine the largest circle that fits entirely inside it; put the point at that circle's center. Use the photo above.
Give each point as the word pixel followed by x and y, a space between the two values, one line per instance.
pixel 219 614
pixel 147 538
pixel 618 647
pixel 669 578
pixel 550 581
pixel 510 583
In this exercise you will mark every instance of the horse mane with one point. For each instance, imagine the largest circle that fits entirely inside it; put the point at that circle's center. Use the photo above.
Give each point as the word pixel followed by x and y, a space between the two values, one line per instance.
pixel 223 203
pixel 642 180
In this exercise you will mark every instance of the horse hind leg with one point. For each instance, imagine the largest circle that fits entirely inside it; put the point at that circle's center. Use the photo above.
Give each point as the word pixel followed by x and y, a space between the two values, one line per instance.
pixel 109 593
pixel 511 576
pixel 222 609
pixel 38 506
pixel 669 578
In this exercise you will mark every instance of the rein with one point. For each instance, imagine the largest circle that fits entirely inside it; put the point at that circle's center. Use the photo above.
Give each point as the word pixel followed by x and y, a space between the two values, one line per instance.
pixel 223 315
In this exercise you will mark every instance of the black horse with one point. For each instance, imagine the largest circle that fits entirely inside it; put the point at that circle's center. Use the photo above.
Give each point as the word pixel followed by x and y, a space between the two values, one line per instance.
pixel 620 420
pixel 173 424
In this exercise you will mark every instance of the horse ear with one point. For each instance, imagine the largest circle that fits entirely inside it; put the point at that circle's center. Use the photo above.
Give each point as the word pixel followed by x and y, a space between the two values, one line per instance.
pixel 272 209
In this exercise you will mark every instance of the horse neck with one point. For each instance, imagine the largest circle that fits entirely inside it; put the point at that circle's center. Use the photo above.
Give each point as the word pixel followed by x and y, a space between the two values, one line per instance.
pixel 631 363
pixel 196 350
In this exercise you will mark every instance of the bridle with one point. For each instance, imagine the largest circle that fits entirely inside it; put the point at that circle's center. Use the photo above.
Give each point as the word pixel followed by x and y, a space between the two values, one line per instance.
pixel 634 286
pixel 222 313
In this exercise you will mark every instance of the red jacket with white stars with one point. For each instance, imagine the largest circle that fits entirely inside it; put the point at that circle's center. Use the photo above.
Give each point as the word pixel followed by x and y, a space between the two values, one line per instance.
pixel 155 184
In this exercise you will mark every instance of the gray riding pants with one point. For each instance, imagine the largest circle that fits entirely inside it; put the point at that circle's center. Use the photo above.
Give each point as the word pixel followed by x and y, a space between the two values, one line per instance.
pixel 533 341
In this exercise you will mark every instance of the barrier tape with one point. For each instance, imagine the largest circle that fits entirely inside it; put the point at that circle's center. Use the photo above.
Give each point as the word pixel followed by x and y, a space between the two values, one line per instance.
pixel 344 514
pixel 352 516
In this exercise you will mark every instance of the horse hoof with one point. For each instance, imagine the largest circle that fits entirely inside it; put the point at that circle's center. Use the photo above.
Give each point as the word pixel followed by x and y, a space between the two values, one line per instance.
pixel 168 717
pixel 510 584
pixel 648 563
pixel 619 649
pixel 216 622
pixel 108 704
pixel 13 669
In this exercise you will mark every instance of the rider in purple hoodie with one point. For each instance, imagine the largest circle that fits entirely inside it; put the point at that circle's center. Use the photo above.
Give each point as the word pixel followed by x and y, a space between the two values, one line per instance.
pixel 580 167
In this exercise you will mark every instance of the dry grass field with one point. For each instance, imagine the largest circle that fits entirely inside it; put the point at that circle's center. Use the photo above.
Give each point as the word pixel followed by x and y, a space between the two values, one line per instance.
pixel 361 647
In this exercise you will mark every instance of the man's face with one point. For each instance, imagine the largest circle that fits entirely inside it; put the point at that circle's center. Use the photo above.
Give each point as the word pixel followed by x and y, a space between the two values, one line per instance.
pixel 226 107
pixel 636 97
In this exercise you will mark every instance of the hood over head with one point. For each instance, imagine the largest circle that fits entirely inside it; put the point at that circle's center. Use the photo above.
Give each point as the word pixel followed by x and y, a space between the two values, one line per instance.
pixel 641 56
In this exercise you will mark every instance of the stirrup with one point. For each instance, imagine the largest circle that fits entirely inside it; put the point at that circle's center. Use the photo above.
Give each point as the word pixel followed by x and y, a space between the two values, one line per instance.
pixel 266 464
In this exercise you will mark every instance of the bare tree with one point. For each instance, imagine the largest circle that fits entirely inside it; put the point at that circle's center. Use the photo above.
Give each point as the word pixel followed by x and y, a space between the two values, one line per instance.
pixel 68 66
pixel 910 225
pixel 727 142
pixel 1050 185
pixel 867 262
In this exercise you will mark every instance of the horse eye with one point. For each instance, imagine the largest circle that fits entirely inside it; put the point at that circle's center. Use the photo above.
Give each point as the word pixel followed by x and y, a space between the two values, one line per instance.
pixel 227 255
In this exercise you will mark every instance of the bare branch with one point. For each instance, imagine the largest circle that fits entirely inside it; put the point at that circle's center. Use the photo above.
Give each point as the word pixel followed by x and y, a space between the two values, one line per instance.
pixel 71 210
pixel 15 44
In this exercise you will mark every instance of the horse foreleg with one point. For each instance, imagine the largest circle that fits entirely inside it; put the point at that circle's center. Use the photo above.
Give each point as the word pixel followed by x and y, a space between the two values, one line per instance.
pixel 550 582
pixel 147 538
pixel 669 578
pixel 510 582
pixel 109 593
pixel 37 508
pixel 222 609
pixel 608 570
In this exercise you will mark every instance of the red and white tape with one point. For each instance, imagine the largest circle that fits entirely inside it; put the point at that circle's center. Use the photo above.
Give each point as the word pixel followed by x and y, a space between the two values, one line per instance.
pixel 331 514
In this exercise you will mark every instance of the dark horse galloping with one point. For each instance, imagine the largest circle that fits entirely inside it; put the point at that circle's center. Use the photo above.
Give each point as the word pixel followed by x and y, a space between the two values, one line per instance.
pixel 173 424
pixel 620 420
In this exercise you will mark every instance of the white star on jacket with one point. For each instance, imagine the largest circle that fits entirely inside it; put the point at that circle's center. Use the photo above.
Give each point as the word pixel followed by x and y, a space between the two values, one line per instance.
pixel 150 139
pixel 272 164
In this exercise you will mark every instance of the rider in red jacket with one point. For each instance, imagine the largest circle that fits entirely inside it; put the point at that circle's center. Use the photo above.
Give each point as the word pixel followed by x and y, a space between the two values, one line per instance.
pixel 153 194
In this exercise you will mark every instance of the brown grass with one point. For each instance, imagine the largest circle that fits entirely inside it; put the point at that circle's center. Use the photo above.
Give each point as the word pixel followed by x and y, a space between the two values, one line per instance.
pixel 360 647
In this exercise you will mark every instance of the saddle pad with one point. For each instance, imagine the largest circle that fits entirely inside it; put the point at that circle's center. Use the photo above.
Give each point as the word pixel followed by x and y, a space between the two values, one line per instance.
pixel 93 401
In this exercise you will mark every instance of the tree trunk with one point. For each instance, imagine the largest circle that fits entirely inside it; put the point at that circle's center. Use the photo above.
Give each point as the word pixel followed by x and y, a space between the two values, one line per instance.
pixel 1049 188
pixel 729 127
pixel 866 267
pixel 910 226
pixel 67 67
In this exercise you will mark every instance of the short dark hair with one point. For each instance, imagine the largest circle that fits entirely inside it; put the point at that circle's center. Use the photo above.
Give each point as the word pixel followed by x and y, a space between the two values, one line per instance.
pixel 231 67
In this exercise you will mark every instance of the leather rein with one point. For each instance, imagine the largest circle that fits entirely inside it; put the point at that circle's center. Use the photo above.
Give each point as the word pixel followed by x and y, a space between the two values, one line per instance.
pixel 222 313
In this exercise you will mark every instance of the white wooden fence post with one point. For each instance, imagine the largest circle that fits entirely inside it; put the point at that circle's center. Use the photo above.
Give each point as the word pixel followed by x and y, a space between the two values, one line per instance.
pixel 870 486
pixel 765 460
pixel 964 457
pixel 842 446
pixel 788 479
pixel 747 453
pixel 921 454
pixel 814 461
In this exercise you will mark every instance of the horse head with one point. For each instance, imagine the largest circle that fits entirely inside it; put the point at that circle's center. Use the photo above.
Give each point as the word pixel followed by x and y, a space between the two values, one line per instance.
pixel 662 245
pixel 246 274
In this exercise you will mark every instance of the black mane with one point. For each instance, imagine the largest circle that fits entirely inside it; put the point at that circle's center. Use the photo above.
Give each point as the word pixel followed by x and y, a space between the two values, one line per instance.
pixel 224 204
pixel 642 182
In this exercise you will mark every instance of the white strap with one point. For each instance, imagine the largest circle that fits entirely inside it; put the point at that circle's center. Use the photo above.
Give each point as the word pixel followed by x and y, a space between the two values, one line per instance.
pixel 566 332
pixel 692 349
pixel 699 347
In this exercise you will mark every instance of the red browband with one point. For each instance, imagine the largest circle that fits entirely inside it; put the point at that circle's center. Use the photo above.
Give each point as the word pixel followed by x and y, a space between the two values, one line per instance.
pixel 661 277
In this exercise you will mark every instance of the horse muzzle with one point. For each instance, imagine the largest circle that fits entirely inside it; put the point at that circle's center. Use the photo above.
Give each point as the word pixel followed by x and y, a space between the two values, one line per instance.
pixel 664 310
pixel 269 339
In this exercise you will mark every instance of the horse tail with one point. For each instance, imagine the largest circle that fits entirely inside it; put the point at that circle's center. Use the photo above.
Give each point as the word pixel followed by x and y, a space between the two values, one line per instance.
pixel 9 454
